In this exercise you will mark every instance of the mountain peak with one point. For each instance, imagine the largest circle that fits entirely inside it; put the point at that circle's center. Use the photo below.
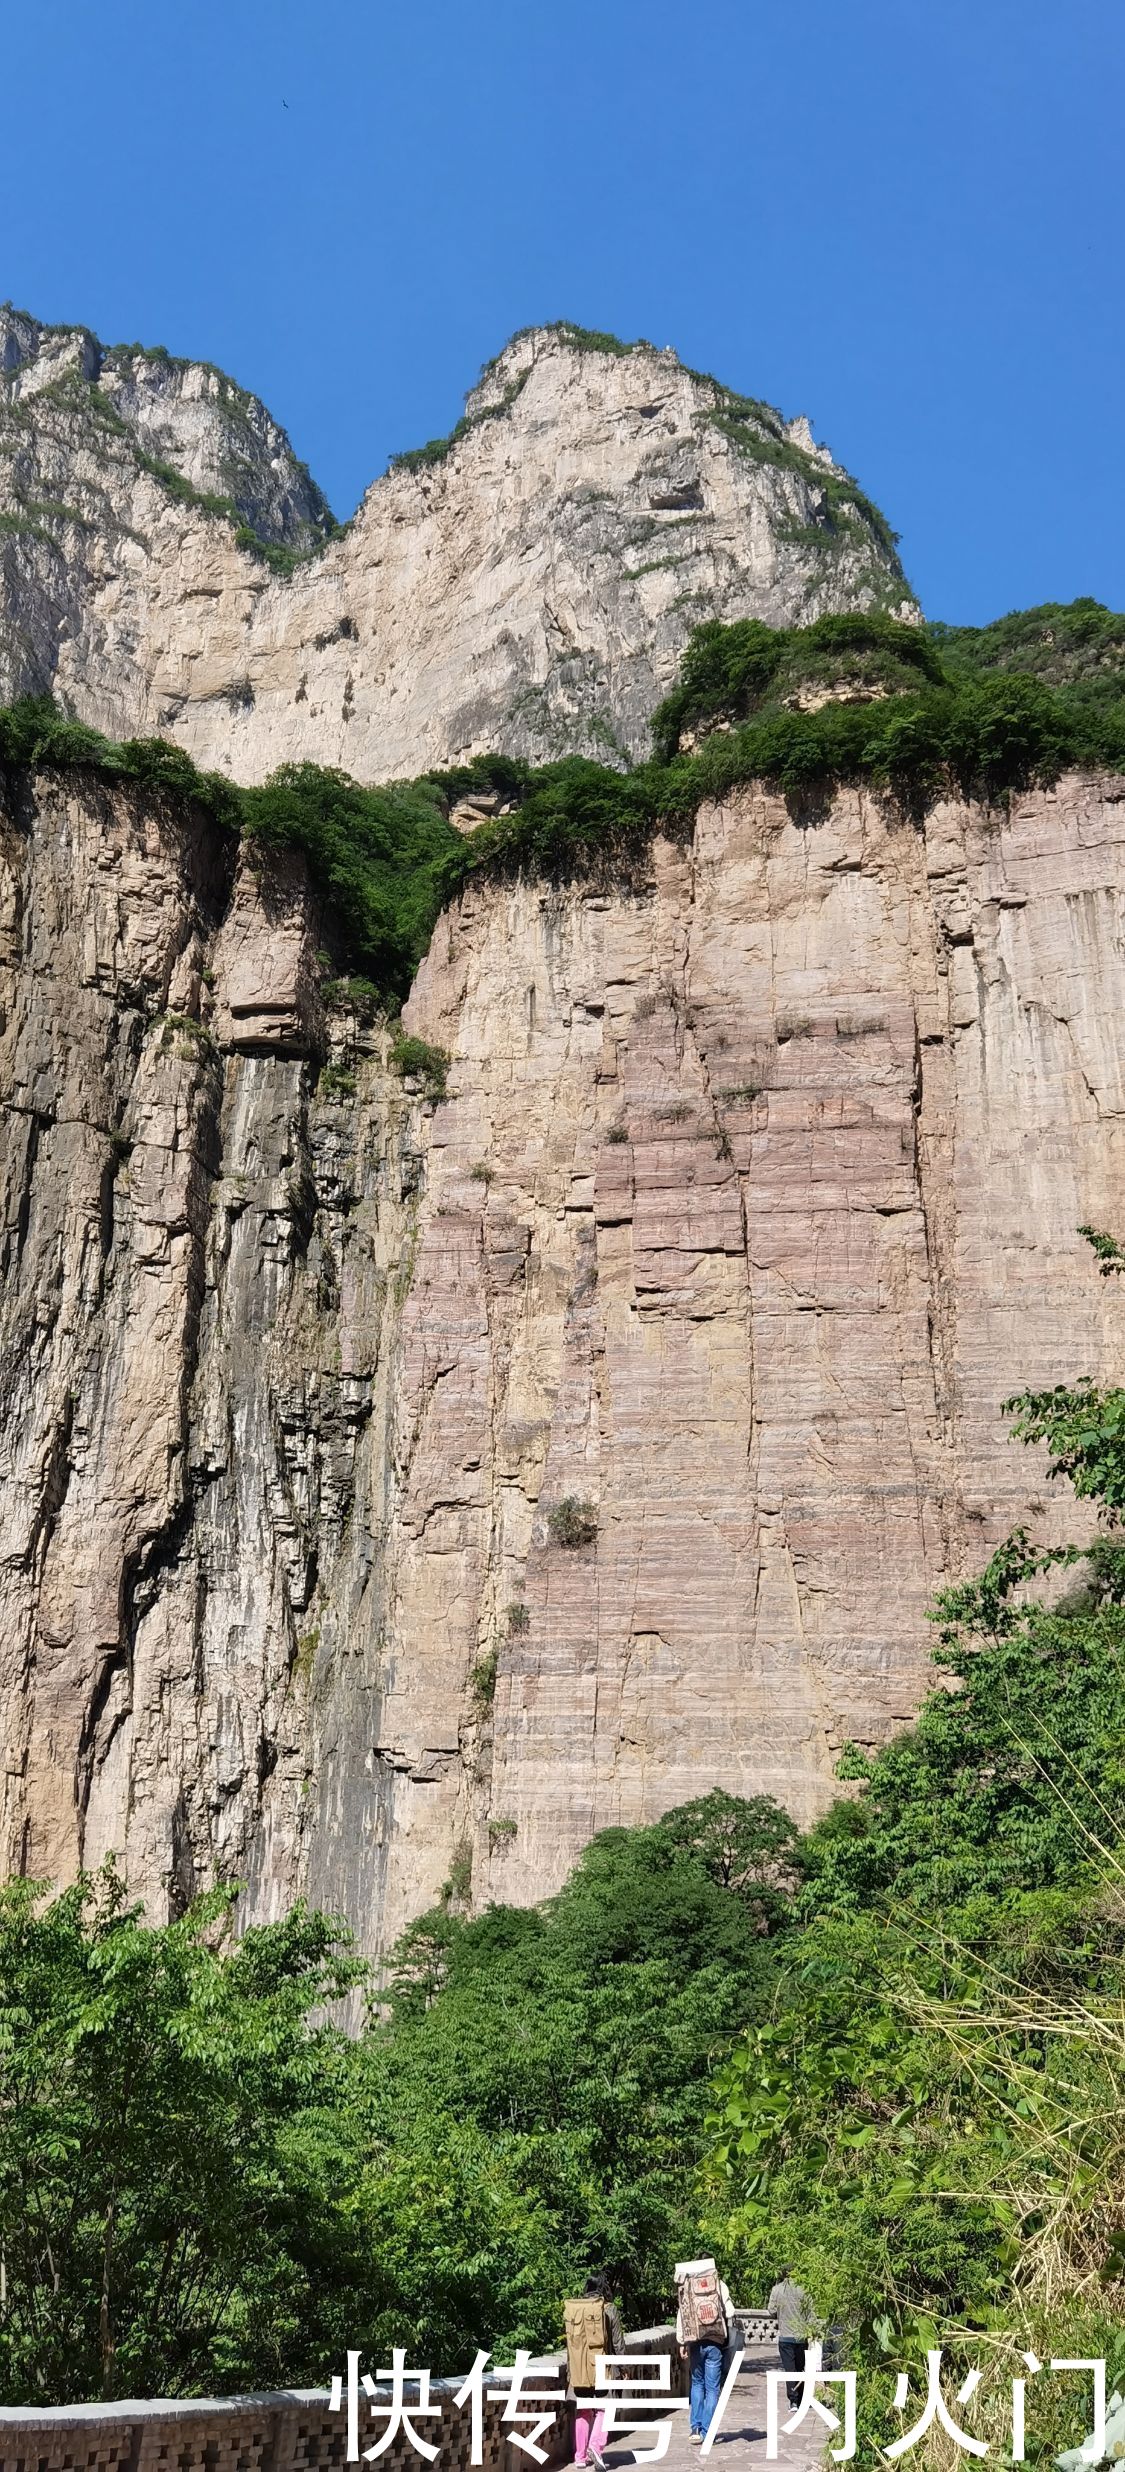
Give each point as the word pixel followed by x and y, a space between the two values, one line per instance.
pixel 526 584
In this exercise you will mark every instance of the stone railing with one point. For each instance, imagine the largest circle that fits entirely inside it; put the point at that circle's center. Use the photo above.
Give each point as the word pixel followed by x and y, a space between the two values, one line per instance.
pixel 757 2325
pixel 288 2432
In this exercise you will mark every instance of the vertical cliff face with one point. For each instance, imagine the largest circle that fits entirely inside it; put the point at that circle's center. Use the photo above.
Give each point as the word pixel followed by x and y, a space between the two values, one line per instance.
pixel 530 583
pixel 754 1192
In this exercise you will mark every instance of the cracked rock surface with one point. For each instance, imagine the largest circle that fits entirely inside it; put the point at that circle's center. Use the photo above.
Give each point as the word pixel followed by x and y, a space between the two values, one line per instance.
pixel 755 1192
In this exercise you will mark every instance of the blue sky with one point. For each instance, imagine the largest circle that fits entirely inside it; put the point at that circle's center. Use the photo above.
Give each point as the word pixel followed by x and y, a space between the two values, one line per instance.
pixel 904 217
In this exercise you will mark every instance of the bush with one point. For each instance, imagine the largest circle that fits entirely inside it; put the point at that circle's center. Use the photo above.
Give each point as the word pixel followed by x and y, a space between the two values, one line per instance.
pixel 416 1058
pixel 459 1886
pixel 482 1681
pixel 572 1522
pixel 376 859
pixel 731 671
pixel 336 1082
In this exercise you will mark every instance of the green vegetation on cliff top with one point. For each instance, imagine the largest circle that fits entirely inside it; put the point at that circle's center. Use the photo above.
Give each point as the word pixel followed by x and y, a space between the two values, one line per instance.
pixel 1075 644
pixel 910 712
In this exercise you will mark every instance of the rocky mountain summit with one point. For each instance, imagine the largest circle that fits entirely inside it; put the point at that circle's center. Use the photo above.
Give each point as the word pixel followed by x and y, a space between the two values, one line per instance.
pixel 168 567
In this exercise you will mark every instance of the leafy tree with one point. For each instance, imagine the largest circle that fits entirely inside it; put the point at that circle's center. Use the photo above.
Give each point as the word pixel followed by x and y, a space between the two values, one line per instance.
pixel 640 1894
pixel 578 2039
pixel 743 1844
pixel 165 2178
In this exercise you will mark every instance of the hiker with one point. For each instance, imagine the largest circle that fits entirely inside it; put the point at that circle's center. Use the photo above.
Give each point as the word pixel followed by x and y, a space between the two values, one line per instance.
pixel 789 2305
pixel 593 2325
pixel 704 2322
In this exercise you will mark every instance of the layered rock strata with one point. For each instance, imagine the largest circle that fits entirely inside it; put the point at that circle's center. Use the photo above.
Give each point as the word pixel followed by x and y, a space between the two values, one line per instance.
pixel 531 588
pixel 754 1192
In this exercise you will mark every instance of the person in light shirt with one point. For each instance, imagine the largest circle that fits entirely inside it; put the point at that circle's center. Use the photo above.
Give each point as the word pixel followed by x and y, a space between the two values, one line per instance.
pixel 789 2304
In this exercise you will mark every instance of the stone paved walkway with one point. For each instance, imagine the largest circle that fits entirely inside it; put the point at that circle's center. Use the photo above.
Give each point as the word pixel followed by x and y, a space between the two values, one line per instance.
pixel 741 2442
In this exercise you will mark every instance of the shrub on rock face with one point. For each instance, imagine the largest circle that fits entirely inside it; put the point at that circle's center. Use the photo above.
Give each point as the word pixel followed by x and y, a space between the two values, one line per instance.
pixel 572 1522
pixel 416 1060
pixel 482 1681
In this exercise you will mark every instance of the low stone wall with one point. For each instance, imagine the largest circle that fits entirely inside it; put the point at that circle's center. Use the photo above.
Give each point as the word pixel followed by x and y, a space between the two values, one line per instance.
pixel 756 2325
pixel 293 2432
pixel 289 2432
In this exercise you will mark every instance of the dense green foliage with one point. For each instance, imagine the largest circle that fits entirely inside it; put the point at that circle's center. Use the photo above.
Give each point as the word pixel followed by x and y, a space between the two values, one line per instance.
pixel 1079 645
pixel 990 715
pixel 984 738
pixel 201 2186
pixel 35 732
pixel 733 671
pixel 166 2206
pixel 377 857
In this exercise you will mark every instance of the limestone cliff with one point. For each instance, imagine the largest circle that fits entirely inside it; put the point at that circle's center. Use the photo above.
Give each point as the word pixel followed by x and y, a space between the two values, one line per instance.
pixel 754 1191
pixel 529 584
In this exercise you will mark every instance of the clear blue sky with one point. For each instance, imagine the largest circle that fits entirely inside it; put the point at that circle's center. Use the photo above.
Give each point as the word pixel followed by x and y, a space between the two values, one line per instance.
pixel 904 217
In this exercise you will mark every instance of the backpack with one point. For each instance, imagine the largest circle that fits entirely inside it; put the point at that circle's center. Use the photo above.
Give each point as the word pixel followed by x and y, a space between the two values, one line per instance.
pixel 584 2321
pixel 701 2307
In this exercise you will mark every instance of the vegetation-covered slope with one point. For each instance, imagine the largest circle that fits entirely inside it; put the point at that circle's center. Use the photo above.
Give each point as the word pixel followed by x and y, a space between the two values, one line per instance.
pixel 1076 644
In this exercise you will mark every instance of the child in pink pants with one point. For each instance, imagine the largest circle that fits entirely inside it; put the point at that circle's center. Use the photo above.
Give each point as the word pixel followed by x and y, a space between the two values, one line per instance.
pixel 589 2436
pixel 589 2422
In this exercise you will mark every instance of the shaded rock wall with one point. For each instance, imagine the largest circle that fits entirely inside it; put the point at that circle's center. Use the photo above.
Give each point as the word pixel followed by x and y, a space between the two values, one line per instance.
pixel 755 1192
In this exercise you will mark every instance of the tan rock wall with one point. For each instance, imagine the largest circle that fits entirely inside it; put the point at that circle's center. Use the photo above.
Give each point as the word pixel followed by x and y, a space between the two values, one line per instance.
pixel 755 1192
